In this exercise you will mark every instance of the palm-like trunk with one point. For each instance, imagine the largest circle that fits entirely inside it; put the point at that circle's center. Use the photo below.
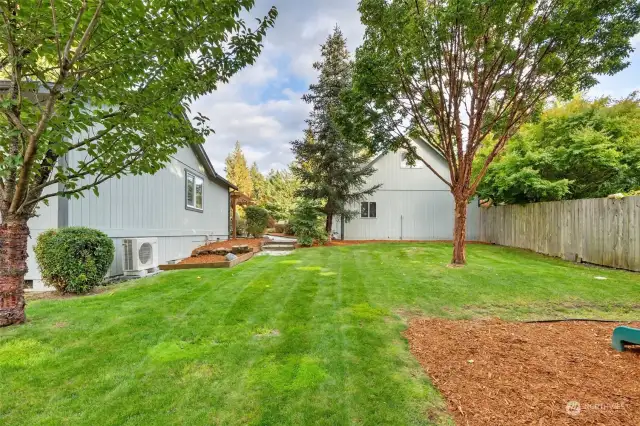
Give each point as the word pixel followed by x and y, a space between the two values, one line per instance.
pixel 13 267
pixel 460 232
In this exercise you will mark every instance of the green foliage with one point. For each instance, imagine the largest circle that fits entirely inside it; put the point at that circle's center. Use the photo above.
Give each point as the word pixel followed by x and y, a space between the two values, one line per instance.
pixel 74 260
pixel 280 194
pixel 257 220
pixel 116 79
pixel 258 183
pixel 578 149
pixel 332 169
pixel 241 226
pixel 307 224
pixel 237 171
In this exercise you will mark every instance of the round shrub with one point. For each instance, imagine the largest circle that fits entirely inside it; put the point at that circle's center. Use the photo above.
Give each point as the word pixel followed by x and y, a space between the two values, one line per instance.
pixel 307 224
pixel 74 260
pixel 257 220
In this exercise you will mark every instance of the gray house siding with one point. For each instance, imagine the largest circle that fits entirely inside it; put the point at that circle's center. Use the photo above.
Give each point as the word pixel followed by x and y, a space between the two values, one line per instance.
pixel 146 206
pixel 47 218
pixel 412 204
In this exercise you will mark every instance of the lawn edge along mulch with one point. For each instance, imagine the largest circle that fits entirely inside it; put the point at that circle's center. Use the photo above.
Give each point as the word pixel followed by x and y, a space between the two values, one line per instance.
pixel 226 264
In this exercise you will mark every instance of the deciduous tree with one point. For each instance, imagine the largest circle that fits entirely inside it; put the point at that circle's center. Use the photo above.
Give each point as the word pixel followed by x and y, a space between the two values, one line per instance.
pixel 109 79
pixel 458 72
pixel 578 149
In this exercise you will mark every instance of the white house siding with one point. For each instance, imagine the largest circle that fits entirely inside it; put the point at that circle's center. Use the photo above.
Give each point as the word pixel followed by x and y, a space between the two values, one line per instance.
pixel 145 206
pixel 154 206
pixel 47 218
pixel 412 204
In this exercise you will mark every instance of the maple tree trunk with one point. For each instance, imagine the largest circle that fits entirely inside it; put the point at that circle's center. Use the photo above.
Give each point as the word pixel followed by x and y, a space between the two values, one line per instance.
pixel 13 268
pixel 460 232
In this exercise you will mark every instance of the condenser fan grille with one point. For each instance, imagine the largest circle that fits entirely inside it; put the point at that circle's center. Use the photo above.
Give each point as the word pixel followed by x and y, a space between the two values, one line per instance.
pixel 145 253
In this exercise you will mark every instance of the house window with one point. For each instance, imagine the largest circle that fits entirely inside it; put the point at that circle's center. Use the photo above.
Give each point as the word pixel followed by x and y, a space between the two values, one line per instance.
pixel 368 209
pixel 405 164
pixel 194 192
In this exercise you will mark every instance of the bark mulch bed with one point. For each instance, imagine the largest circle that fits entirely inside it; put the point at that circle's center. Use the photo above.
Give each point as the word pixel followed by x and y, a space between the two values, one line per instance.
pixel 253 243
pixel 503 373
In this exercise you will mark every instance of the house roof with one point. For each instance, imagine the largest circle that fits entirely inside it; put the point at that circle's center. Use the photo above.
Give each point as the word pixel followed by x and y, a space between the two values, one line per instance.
pixel 421 140
pixel 198 149
pixel 202 156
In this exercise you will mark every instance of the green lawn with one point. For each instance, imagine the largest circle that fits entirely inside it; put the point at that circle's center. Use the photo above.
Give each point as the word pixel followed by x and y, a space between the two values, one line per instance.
pixel 310 338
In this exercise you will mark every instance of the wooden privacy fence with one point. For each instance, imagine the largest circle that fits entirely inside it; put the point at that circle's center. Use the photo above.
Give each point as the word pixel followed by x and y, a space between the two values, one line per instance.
pixel 602 231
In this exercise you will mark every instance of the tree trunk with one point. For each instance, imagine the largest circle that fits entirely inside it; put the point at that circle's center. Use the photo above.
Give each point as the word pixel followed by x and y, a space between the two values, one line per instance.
pixel 460 232
pixel 329 224
pixel 13 268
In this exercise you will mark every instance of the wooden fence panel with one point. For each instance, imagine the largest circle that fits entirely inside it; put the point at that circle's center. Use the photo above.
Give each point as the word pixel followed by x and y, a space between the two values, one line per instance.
pixel 602 231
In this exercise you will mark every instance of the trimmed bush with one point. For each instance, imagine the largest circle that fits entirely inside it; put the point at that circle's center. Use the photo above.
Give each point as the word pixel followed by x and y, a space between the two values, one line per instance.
pixel 257 220
pixel 74 260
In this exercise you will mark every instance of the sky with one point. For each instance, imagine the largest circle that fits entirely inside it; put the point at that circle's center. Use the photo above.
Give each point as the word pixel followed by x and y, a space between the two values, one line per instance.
pixel 261 106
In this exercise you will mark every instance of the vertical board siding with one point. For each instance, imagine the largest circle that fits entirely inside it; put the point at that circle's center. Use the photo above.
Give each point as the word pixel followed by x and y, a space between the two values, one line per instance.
pixel 46 218
pixel 410 215
pixel 154 206
pixel 412 204
pixel 601 231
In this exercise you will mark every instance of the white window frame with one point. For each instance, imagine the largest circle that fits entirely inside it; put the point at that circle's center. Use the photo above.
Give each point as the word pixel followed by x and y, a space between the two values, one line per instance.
pixel 405 165
pixel 194 180
pixel 368 216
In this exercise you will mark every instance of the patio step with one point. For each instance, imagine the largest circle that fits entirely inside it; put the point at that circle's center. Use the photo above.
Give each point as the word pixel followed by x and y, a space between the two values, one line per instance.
pixel 279 243
pixel 278 246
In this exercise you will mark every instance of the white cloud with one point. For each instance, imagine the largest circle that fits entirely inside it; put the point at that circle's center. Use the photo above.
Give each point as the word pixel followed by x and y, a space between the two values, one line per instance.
pixel 261 107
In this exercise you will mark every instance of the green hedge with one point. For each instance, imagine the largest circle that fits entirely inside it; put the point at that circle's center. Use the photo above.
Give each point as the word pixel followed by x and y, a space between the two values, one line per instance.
pixel 74 260
pixel 308 225
pixel 257 220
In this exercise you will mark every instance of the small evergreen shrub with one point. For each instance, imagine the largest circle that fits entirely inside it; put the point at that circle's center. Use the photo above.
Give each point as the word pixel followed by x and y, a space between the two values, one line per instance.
pixel 307 225
pixel 74 260
pixel 257 220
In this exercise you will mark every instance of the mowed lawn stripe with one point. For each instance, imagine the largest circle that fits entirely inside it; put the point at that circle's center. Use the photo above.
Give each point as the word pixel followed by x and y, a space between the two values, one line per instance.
pixel 310 338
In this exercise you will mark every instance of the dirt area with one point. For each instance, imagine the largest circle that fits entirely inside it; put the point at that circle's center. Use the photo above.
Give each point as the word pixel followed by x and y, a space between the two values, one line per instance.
pixel 253 243
pixel 501 373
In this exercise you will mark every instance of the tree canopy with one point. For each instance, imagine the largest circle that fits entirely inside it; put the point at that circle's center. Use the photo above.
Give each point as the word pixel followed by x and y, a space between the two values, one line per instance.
pixel 578 149
pixel 111 80
pixel 458 72
pixel 280 196
pixel 238 171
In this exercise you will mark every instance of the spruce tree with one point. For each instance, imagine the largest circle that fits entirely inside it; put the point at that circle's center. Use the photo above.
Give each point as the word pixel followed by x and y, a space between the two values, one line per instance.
pixel 333 170
pixel 238 172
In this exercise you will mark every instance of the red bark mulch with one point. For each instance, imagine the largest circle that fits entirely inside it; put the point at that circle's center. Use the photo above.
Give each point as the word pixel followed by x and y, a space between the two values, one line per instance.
pixel 503 373
pixel 254 243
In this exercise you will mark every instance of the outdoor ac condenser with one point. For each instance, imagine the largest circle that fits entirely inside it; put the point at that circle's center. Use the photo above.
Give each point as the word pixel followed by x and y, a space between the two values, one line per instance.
pixel 140 256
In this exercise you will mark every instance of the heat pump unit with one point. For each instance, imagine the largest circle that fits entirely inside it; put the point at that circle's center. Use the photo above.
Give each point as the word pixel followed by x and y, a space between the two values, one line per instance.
pixel 140 256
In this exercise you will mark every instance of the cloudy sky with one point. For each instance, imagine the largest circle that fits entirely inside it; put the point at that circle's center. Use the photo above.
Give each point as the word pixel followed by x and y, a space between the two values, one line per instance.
pixel 261 106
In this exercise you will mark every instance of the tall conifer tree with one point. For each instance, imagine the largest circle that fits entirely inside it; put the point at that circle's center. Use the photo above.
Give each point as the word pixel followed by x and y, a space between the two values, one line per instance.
pixel 332 169
pixel 237 171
